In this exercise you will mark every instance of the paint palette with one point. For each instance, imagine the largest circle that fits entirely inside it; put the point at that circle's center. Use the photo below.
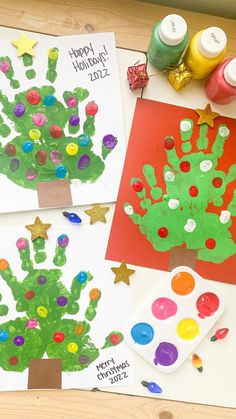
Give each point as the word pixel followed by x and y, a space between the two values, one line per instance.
pixel 174 319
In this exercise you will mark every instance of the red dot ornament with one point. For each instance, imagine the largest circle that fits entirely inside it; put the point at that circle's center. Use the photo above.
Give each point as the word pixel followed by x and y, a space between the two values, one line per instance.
pixel 29 295
pixel 193 191
pixel 10 150
pixel 115 339
pixel 55 131
pixel 184 166
pixel 58 337
pixel 137 186
pixel 163 232
pixel 13 360
pixel 210 243
pixel 91 108
pixel 33 97
pixel 169 143
pixel 217 182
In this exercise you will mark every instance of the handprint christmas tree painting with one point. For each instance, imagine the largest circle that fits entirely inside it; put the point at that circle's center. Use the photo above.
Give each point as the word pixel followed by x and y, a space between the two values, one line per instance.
pixel 46 135
pixel 43 329
pixel 185 192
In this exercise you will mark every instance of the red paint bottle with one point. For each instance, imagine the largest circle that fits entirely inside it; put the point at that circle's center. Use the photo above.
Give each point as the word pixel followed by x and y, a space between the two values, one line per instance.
pixel 221 87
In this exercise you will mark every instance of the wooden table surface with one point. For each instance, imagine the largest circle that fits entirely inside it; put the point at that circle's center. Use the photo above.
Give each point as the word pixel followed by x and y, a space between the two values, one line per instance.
pixel 132 22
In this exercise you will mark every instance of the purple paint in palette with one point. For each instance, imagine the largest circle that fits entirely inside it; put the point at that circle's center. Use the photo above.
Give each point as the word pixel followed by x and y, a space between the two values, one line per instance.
pixel 174 318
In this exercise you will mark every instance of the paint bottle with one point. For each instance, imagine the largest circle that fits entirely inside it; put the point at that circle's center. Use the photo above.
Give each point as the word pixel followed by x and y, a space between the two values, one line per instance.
pixel 168 42
pixel 221 87
pixel 205 51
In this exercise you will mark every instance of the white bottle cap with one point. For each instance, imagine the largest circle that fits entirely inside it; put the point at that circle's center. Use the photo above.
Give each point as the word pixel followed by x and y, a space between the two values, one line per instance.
pixel 230 72
pixel 172 29
pixel 212 42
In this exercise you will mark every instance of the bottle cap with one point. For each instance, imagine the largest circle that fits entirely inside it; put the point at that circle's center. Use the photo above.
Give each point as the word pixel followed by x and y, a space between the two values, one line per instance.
pixel 172 29
pixel 230 72
pixel 212 42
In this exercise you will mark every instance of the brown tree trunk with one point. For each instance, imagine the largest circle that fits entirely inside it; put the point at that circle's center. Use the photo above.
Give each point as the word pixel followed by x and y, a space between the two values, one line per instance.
pixel 182 256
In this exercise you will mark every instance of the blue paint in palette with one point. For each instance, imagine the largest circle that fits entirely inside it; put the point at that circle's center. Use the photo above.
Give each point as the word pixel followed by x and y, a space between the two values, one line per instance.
pixel 142 333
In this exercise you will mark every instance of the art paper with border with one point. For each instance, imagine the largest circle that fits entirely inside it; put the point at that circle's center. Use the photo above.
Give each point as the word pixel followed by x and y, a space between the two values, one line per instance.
pixel 177 198
pixel 55 305
pixel 61 125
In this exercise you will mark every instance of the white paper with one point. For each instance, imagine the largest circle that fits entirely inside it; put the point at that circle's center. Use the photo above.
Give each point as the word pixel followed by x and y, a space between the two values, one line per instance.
pixel 101 79
pixel 85 252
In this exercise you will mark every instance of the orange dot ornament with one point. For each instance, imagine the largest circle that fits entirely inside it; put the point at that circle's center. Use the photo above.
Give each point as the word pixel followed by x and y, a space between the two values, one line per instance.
pixel 3 264
pixel 183 283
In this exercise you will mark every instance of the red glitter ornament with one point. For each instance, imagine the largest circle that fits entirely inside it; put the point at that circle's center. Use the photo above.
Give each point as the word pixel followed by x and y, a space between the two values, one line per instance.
pixel 58 337
pixel 217 182
pixel 33 97
pixel 10 150
pixel 91 108
pixel 29 295
pixel 137 76
pixel 55 131
pixel 137 186
pixel 220 334
pixel 115 339
pixel 193 191
pixel 169 143
pixel 13 360
pixel 163 232
pixel 185 166
pixel 210 243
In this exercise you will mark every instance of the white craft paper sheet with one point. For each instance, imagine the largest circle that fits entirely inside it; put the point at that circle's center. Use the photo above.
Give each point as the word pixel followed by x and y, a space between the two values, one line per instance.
pixel 85 252
pixel 109 119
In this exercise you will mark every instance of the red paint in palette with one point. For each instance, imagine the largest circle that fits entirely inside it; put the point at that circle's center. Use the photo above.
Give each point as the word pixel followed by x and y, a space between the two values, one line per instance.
pixel 207 304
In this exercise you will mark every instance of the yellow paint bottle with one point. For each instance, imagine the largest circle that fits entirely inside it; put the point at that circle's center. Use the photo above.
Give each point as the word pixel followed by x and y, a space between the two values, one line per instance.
pixel 205 51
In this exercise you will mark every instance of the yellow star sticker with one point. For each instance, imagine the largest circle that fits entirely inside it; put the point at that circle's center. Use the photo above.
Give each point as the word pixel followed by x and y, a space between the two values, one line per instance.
pixel 122 273
pixel 97 213
pixel 38 229
pixel 207 116
pixel 24 45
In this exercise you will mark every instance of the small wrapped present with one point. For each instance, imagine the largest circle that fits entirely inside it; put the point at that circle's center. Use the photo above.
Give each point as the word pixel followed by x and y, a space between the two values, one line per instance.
pixel 180 76
pixel 137 76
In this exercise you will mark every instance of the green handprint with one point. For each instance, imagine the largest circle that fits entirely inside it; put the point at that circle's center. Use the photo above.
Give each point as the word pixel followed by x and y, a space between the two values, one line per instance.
pixel 45 301
pixel 45 144
pixel 180 214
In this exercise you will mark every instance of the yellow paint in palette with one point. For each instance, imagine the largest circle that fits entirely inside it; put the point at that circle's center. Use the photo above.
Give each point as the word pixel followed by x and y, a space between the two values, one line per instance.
pixel 205 51
pixel 188 329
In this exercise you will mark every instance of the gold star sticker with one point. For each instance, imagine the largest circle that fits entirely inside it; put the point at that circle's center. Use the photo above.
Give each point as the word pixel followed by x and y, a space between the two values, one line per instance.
pixel 207 116
pixel 24 45
pixel 122 273
pixel 97 213
pixel 38 229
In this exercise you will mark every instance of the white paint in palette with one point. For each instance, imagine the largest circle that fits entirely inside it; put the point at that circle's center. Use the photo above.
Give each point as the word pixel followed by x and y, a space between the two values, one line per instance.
pixel 165 331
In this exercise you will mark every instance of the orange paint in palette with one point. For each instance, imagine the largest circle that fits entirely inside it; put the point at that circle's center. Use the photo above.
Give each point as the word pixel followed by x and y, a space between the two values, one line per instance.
pixel 174 318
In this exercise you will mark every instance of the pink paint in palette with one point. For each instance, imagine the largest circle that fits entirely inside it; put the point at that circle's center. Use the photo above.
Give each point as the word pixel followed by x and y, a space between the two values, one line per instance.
pixel 174 319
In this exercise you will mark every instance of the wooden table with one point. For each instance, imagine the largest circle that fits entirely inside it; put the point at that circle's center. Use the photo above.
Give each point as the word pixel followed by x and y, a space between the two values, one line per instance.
pixel 132 22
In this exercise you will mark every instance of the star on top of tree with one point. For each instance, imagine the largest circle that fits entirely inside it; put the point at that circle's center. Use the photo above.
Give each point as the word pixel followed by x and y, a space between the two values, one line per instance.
pixel 38 229
pixel 207 116
pixel 24 45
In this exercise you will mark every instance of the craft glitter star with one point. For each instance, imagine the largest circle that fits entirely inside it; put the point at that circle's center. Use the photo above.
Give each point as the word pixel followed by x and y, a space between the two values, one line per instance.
pixel 24 45
pixel 122 273
pixel 207 116
pixel 97 213
pixel 38 229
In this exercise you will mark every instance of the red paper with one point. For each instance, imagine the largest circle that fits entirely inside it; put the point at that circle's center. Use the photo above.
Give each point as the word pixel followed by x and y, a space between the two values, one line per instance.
pixel 153 121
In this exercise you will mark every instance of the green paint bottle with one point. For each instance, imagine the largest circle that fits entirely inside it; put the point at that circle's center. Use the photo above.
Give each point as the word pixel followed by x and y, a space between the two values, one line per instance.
pixel 168 42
